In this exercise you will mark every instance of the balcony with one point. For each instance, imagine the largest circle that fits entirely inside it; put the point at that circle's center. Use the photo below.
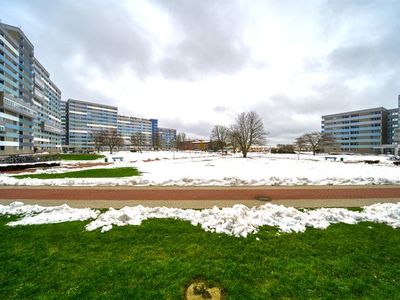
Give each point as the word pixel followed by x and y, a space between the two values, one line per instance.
pixel 38 94
pixel 39 82
pixel 49 127
pixel 16 105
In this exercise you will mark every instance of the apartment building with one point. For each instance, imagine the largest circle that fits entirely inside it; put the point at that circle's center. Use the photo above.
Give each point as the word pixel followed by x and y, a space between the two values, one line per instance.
pixel 139 128
pixel 84 118
pixel 63 118
pixel 33 117
pixel 16 125
pixel 25 85
pixel 392 126
pixel 17 114
pixel 362 131
pixel 9 64
pixel 21 48
pixel 154 134
pixel 167 138
pixel 47 103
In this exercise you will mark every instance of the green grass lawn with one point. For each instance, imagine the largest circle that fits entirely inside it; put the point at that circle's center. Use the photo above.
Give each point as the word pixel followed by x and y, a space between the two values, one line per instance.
pixel 79 156
pixel 159 258
pixel 92 173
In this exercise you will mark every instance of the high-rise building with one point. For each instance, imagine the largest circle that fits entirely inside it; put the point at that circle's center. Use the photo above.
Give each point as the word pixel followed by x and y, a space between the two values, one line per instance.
pixel 25 66
pixel 392 125
pixel 139 128
pixel 358 131
pixel 85 118
pixel 26 83
pixel 47 98
pixel 154 134
pixel 16 125
pixel 63 117
pixel 16 87
pixel 167 138
pixel 373 130
pixel 33 117
pixel 9 64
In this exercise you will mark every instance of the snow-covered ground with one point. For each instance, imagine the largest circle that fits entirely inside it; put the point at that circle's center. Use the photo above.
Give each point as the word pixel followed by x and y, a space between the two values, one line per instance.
pixel 199 168
pixel 238 220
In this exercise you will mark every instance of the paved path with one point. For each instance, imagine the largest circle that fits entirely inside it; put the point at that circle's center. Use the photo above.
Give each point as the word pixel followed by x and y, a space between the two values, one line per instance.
pixel 200 197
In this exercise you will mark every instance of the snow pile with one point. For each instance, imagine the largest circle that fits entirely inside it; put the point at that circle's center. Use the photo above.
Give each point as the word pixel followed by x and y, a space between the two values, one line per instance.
pixel 146 180
pixel 136 214
pixel 238 220
pixel 36 214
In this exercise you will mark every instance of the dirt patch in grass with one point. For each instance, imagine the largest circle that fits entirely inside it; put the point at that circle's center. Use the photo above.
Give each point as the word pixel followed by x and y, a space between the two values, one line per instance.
pixel 86 165
pixel 199 290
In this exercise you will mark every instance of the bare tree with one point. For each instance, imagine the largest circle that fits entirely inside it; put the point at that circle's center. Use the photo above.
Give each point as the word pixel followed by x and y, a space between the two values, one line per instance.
pixel 137 140
pixel 98 139
pixel 329 143
pixel 180 140
pixel 317 140
pixel 113 139
pixel 301 143
pixel 283 148
pixel 219 134
pixel 233 139
pixel 312 140
pixel 248 130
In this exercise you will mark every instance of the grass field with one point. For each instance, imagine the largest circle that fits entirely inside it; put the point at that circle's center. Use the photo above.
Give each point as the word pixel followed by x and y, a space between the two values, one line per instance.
pixel 79 156
pixel 92 173
pixel 159 258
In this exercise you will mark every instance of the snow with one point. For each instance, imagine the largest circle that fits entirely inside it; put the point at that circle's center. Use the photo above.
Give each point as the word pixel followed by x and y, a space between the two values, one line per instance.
pixel 238 220
pixel 36 214
pixel 212 169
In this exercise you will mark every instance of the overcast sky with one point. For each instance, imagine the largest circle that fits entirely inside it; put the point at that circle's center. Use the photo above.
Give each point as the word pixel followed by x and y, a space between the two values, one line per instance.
pixel 193 64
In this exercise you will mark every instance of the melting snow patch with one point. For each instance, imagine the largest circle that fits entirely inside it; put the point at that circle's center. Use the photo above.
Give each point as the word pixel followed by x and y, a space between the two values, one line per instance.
pixel 36 214
pixel 238 220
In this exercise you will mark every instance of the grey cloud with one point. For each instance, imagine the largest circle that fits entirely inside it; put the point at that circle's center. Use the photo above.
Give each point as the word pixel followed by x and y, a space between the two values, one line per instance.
pixel 212 39
pixel 286 117
pixel 108 39
pixel 380 56
pixel 278 116
pixel 371 44
pixel 220 109
pixel 99 33
pixel 368 31
pixel 102 32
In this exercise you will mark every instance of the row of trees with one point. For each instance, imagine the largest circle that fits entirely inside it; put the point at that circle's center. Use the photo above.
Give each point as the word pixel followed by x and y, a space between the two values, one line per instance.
pixel 107 138
pixel 112 139
pixel 316 142
pixel 247 130
pixel 313 141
